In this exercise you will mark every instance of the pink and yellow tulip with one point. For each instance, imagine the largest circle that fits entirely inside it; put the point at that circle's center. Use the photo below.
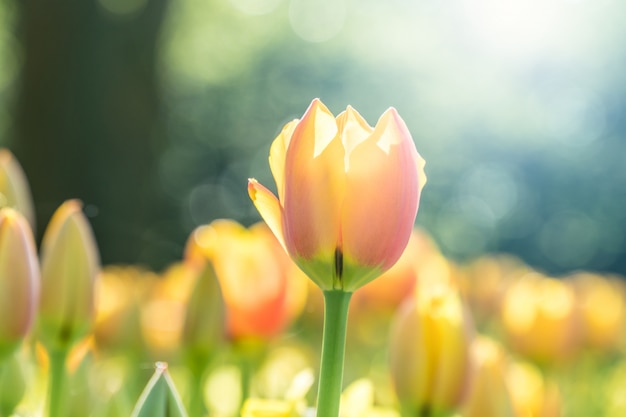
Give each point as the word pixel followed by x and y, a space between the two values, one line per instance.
pixel 19 280
pixel 347 194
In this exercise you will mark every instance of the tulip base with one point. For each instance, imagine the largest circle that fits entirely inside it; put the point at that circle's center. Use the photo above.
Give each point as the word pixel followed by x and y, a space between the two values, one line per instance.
pixel 336 305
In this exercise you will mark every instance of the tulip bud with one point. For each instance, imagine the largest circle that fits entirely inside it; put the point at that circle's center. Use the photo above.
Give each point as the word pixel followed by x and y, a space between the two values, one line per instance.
pixel 347 194
pixel 488 395
pixel 69 265
pixel 203 330
pixel 19 280
pixel 532 394
pixel 429 351
pixel 14 189
pixel 160 398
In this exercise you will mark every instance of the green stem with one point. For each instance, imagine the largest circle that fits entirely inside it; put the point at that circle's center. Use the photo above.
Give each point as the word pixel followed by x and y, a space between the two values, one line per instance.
pixel 197 363
pixel 336 305
pixel 55 383
pixel 250 353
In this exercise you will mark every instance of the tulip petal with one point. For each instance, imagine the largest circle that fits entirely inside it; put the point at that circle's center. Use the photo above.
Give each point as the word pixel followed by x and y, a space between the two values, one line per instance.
pixel 314 182
pixel 381 195
pixel 353 129
pixel 278 152
pixel 269 207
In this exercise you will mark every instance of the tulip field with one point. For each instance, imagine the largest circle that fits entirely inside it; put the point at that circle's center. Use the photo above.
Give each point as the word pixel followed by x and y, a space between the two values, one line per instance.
pixel 335 305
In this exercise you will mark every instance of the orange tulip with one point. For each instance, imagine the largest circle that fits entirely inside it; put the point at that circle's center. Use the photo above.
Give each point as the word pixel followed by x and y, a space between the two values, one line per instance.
pixel 347 194
pixel 261 293
pixel 19 280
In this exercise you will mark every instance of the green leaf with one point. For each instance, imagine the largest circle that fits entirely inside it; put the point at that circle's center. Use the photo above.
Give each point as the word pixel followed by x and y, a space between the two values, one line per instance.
pixel 159 398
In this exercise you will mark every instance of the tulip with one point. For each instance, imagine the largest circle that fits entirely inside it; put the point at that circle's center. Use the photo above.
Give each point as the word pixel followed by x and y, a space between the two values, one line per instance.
pixel 14 187
pixel 203 332
pixel 262 291
pixel 533 395
pixel 347 199
pixel 538 314
pixel 19 280
pixel 430 351
pixel 347 194
pixel 601 302
pixel 488 395
pixel 69 265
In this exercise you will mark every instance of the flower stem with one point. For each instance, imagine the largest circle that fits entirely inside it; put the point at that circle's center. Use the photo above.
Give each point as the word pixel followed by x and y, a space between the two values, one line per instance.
pixel 336 305
pixel 55 383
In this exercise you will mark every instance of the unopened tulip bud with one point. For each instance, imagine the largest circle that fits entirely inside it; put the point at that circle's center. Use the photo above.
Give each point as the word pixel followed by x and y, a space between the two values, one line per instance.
pixel 69 266
pixel 19 280
pixel 347 194
pixel 488 395
pixel 430 352
pixel 14 189
pixel 160 397
pixel 203 330
pixel 532 394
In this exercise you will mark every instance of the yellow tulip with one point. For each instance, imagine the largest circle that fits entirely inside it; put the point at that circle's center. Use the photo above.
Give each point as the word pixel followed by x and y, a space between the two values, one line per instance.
pixel 532 394
pixel 488 395
pixel 347 194
pixel 601 303
pixel 69 266
pixel 430 351
pixel 19 280
pixel 538 315
pixel 14 189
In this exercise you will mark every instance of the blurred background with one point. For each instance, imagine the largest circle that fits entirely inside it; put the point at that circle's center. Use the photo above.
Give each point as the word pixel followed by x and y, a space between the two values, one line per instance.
pixel 155 113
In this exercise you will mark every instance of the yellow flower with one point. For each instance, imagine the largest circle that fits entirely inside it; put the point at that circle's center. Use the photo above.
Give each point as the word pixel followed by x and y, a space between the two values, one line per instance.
pixel 347 194
pixel 601 302
pixel 430 350
pixel 538 315
pixel 488 395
